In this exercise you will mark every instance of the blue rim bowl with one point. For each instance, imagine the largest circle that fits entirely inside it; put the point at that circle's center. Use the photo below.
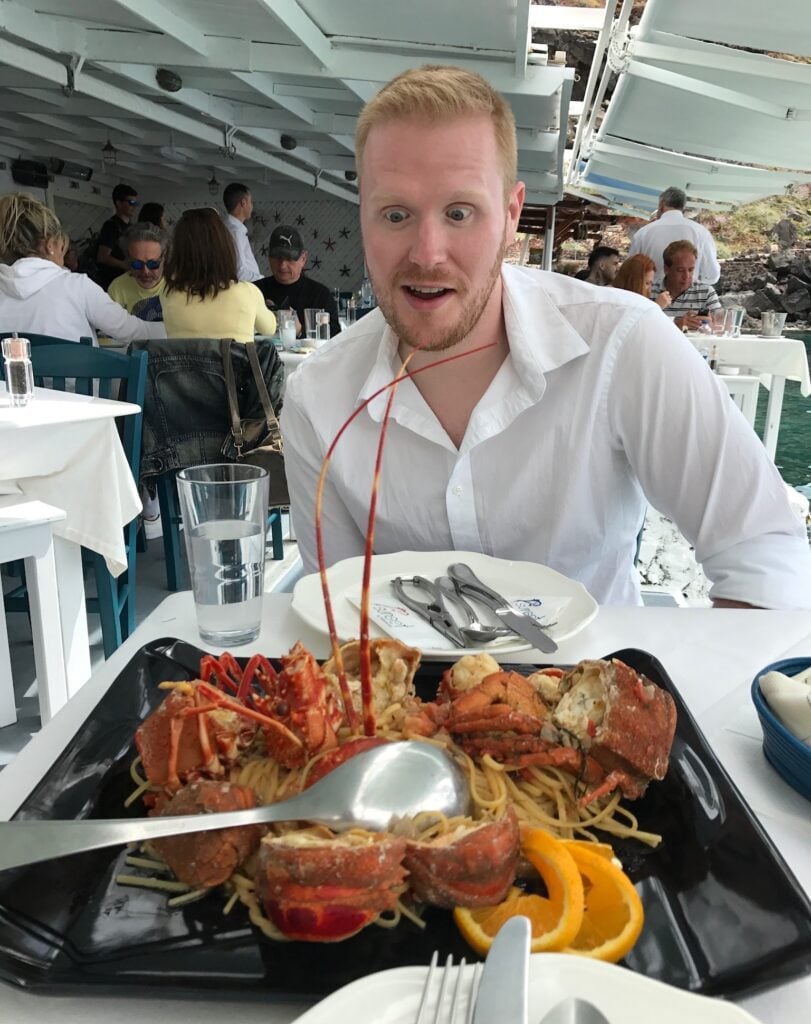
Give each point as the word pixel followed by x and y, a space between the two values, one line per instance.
pixel 790 757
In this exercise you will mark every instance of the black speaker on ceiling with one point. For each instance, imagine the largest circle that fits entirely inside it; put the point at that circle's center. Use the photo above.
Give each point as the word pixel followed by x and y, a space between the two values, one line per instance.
pixel 30 172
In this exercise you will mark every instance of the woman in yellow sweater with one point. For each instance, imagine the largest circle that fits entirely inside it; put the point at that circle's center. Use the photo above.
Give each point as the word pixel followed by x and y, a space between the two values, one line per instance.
pixel 203 297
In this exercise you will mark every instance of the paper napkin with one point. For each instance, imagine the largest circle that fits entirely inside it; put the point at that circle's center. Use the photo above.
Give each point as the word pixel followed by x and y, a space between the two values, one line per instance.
pixel 789 697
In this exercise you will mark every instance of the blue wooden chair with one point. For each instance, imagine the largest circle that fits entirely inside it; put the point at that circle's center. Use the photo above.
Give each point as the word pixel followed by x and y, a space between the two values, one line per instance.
pixel 115 376
pixel 47 339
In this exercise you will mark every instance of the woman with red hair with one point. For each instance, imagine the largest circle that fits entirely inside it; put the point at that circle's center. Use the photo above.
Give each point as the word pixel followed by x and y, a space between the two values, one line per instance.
pixel 636 275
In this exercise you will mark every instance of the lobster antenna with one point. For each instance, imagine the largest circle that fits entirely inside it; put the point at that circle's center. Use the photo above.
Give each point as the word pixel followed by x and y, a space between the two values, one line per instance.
pixel 319 538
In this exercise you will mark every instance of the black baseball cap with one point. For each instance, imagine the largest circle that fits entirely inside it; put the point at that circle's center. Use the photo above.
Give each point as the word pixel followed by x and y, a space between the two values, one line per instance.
pixel 122 191
pixel 285 243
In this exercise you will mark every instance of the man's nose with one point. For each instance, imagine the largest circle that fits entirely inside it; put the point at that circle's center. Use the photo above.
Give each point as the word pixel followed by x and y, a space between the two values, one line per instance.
pixel 428 246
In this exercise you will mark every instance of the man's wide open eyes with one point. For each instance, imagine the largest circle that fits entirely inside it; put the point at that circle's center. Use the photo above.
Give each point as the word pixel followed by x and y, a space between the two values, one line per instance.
pixel 395 216
pixel 459 213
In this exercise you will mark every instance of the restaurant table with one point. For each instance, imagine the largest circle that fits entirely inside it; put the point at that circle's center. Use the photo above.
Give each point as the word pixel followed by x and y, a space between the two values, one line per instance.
pixel 711 655
pixel 63 449
pixel 775 359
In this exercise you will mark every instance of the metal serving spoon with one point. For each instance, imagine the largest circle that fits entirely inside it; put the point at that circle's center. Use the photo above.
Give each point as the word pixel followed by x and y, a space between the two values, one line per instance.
pixel 377 786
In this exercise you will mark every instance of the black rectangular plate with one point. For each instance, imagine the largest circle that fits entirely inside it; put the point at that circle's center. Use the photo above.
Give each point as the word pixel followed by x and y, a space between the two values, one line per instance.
pixel 723 913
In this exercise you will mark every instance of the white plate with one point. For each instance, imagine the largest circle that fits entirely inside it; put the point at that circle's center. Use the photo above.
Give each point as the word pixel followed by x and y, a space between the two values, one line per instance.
pixel 508 578
pixel 392 997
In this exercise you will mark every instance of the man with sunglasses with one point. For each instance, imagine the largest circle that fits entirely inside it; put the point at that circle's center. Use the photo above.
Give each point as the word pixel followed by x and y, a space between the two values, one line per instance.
pixel 140 291
pixel 109 257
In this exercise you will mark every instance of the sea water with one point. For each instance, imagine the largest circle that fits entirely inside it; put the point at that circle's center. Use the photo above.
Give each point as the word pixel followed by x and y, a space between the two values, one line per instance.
pixel 227 569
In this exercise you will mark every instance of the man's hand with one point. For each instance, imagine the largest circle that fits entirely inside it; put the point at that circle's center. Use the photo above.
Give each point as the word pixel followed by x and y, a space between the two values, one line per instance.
pixel 691 321
pixel 663 299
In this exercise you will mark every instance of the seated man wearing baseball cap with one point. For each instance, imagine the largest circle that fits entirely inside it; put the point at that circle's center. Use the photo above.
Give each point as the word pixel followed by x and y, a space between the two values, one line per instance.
pixel 289 287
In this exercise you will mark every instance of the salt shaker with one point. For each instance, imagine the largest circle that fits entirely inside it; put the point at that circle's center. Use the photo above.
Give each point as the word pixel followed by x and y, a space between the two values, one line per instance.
pixel 19 371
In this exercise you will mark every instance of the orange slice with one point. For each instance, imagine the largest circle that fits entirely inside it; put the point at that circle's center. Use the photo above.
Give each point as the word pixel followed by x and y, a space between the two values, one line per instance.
pixel 555 918
pixel 613 915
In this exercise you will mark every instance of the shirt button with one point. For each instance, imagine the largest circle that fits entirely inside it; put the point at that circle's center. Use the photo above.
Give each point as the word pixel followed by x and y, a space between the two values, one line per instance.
pixel 457 490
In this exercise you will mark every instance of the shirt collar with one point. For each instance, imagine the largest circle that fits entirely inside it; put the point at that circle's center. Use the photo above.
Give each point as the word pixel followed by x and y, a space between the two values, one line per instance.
pixel 235 222
pixel 541 339
pixel 671 215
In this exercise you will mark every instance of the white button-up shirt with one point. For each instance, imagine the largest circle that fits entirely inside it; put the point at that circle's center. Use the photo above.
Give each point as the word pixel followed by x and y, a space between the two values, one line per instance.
pixel 652 239
pixel 247 267
pixel 600 407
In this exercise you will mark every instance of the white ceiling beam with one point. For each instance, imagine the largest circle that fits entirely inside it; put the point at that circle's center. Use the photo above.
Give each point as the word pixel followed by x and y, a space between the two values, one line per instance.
pixel 118 124
pixel 680 50
pixel 311 92
pixel 50 122
pixel 159 16
pixel 631 152
pixel 575 19
pixel 523 36
pixel 301 25
pixel 223 110
pixel 674 80
pixel 45 67
pixel 356 67
pixel 61 35
pixel 265 85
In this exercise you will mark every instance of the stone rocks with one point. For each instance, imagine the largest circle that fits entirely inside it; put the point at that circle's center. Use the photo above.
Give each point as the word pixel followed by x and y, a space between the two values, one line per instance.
pixel 785 231
pixel 761 281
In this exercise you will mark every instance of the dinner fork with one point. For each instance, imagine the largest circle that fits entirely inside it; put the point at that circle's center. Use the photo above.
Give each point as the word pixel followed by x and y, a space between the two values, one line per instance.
pixel 455 1010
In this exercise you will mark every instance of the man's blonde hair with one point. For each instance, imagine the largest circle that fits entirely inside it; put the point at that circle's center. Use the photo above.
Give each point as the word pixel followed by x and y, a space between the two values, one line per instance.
pixel 437 92
pixel 25 224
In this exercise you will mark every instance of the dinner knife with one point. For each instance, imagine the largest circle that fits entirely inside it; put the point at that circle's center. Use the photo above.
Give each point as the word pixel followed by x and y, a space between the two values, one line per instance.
pixel 504 989
pixel 519 622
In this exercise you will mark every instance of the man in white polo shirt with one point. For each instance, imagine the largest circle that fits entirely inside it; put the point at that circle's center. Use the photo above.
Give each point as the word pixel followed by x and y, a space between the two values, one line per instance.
pixel 671 225
pixel 238 201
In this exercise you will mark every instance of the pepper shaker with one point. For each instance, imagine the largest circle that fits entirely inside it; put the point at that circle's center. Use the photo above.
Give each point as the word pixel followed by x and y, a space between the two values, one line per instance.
pixel 19 371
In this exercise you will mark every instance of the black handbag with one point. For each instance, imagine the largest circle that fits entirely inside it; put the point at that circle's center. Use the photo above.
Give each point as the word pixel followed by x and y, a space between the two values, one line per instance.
pixel 257 442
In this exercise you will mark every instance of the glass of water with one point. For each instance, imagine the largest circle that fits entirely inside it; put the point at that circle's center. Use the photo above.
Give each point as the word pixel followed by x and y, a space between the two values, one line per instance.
pixel 311 323
pixel 224 508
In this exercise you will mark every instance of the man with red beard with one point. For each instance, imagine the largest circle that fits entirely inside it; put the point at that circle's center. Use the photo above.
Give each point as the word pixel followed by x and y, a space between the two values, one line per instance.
pixel 572 408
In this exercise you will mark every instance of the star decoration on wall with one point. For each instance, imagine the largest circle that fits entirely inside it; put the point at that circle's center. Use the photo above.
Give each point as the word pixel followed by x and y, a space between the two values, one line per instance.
pixel 344 271
pixel 316 263
pixel 315 232
pixel 330 244
pixel 263 251
pixel 277 216
pixel 299 220
pixel 344 232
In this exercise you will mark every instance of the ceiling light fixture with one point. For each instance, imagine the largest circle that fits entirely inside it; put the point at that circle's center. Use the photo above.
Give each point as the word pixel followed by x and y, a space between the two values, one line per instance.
pixel 288 142
pixel 109 154
pixel 169 81
pixel 213 184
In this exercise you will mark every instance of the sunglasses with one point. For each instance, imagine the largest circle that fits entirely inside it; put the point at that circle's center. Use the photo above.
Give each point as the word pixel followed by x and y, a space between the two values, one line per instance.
pixel 149 264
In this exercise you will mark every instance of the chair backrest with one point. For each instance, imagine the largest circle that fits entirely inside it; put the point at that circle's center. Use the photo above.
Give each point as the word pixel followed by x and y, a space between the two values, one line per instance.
pixel 47 339
pixel 186 417
pixel 118 376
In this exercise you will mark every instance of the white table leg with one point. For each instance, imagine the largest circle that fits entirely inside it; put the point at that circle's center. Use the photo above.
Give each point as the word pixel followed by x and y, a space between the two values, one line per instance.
pixel 46 631
pixel 774 411
pixel 8 704
pixel 75 641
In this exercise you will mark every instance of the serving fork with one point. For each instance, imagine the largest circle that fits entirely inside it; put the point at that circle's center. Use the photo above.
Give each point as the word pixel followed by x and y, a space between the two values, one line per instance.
pixel 442 975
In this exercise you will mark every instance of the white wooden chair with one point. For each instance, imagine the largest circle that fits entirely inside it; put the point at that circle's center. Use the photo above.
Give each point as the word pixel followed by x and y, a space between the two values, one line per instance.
pixel 25 533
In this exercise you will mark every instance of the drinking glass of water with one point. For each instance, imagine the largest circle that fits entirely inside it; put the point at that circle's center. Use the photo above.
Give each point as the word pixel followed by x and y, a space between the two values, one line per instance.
pixel 311 323
pixel 224 508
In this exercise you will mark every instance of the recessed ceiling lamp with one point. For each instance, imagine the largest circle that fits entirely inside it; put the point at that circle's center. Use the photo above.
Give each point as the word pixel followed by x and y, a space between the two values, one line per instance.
pixel 351 175
pixel 288 142
pixel 213 184
pixel 109 154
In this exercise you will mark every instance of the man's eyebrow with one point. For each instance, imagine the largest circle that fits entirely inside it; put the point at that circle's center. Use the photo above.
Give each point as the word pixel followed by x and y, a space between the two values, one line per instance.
pixel 465 195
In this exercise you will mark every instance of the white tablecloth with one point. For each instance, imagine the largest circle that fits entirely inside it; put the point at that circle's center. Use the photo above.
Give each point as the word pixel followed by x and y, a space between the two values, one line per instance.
pixel 64 449
pixel 780 357
pixel 711 655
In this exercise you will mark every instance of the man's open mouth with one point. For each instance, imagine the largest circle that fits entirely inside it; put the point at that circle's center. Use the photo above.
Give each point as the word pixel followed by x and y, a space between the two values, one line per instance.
pixel 427 294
